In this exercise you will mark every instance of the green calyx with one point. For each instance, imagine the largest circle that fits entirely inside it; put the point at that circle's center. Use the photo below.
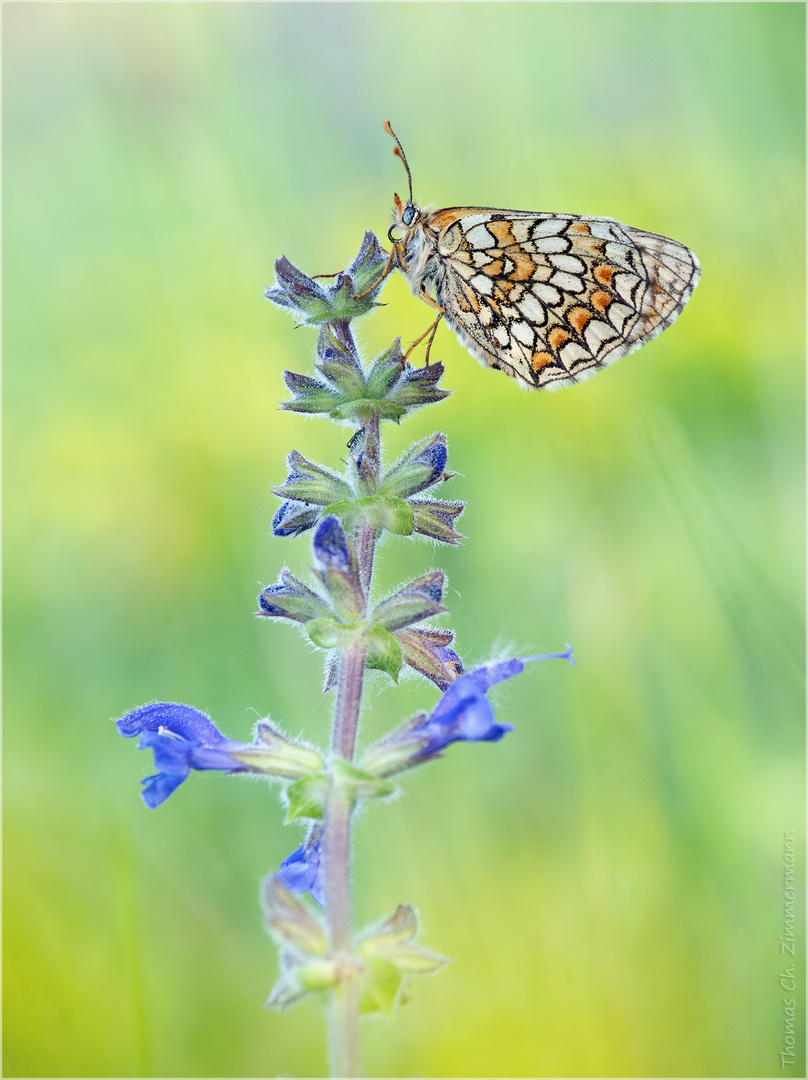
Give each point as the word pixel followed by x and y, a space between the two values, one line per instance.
pixel 308 797
pixel 389 955
pixel 300 980
pixel 330 633
pixel 378 511
pixel 273 754
pixel 289 921
pixel 357 783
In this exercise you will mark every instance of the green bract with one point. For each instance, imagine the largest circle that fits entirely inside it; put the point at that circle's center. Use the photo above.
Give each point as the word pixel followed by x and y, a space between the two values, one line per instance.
pixel 306 798
pixel 389 953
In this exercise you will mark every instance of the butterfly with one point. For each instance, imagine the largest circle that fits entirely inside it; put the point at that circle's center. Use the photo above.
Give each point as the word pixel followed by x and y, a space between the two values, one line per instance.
pixel 547 298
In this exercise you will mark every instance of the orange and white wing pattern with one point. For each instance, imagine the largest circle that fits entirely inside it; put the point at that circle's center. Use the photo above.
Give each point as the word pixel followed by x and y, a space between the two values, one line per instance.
pixel 551 298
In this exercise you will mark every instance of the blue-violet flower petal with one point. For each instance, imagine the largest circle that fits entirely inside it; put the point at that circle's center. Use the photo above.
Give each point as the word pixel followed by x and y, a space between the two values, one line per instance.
pixel 464 713
pixel 181 738
pixel 303 871
pixel 331 545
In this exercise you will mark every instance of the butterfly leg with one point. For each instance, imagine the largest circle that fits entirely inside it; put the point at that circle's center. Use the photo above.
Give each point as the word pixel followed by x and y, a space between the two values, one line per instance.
pixel 394 257
pixel 431 339
pixel 431 330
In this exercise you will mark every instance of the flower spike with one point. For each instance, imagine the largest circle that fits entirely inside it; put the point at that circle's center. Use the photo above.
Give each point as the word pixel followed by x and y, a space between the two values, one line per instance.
pixel 361 628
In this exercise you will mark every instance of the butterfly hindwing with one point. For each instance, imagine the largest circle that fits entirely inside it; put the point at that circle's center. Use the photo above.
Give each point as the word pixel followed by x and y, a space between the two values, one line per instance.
pixel 550 298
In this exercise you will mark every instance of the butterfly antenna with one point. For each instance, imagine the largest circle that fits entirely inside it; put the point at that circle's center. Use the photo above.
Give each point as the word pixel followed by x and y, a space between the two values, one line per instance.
pixel 399 152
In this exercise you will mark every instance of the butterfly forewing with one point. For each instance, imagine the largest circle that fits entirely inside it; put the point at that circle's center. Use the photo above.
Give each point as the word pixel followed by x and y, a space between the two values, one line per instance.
pixel 548 298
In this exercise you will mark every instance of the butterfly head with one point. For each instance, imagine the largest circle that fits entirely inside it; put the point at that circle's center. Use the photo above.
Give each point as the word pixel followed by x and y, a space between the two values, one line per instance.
pixel 404 216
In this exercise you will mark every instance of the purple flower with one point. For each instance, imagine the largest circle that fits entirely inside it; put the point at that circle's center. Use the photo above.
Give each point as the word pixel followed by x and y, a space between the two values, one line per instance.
pixel 463 714
pixel 303 871
pixel 181 739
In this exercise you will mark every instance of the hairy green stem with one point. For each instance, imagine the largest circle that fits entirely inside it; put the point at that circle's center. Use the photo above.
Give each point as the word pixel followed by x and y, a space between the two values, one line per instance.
pixel 344 1004
pixel 344 998
pixel 367 535
pixel 343 1030
pixel 349 698
pixel 343 1022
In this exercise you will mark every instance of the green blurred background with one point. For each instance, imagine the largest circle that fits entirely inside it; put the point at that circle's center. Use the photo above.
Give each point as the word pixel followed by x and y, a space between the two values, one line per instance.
pixel 608 878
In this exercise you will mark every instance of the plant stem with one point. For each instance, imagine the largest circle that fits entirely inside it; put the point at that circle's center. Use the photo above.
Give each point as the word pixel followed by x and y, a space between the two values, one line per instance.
pixel 344 998
pixel 343 1030
pixel 344 1004
pixel 366 534
pixel 349 699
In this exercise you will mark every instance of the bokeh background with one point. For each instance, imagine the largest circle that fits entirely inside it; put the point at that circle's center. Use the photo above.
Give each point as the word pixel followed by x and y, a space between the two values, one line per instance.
pixel 609 878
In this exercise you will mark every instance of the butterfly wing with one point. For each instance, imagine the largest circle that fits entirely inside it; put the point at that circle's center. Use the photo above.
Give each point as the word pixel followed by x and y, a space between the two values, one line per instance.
pixel 550 298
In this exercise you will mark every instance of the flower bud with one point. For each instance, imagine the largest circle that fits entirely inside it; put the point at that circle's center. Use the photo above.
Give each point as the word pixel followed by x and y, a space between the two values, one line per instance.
pixel 415 386
pixel 290 599
pixel 303 870
pixel 426 650
pixel 368 264
pixel 435 519
pixel 398 750
pixel 338 568
pixel 338 366
pixel 423 465
pixel 391 389
pixel 309 482
pixel 340 379
pixel 295 290
pixel 293 518
pixel 420 599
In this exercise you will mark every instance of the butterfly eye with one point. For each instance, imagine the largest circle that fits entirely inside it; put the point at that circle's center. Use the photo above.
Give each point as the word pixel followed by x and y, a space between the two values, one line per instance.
pixel 409 215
